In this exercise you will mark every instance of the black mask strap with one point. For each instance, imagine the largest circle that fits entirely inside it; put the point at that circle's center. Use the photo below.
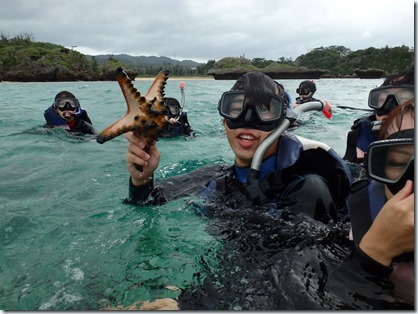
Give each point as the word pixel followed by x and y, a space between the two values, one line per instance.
pixel 408 175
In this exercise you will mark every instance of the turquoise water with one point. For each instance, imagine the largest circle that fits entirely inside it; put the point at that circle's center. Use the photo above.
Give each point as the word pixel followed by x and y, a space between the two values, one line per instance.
pixel 67 240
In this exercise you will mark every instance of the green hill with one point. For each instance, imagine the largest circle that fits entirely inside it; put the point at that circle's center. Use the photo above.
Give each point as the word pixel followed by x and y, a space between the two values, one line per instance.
pixel 23 59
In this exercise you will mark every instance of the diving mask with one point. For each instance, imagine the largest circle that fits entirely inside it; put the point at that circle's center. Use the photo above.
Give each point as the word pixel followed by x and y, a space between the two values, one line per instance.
pixel 384 99
pixel 67 104
pixel 240 112
pixel 303 91
pixel 391 162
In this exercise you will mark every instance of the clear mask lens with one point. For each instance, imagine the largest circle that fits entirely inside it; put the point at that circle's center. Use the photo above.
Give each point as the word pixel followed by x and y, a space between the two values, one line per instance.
pixel 234 105
pixel 302 91
pixel 378 96
pixel 389 160
pixel 67 103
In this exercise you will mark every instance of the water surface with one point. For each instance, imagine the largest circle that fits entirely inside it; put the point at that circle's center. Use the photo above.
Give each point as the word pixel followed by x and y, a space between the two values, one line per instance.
pixel 67 240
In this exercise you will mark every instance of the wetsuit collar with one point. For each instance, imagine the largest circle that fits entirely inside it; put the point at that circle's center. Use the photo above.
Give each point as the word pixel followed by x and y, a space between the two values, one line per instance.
pixel 266 166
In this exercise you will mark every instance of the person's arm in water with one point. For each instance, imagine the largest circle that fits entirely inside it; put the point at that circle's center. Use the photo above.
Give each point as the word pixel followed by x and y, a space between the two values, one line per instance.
pixel 141 183
pixel 392 232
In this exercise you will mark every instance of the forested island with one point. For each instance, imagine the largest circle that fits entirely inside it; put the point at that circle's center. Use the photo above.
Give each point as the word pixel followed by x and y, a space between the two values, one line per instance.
pixel 24 60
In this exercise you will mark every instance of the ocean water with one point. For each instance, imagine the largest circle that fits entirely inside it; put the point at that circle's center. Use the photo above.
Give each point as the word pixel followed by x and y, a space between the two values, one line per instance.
pixel 67 240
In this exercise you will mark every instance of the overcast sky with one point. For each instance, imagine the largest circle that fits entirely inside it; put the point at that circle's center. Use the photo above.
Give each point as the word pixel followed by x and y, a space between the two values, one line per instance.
pixel 203 30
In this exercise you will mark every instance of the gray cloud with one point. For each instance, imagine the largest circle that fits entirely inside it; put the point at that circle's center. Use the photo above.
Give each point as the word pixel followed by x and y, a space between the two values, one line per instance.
pixel 201 30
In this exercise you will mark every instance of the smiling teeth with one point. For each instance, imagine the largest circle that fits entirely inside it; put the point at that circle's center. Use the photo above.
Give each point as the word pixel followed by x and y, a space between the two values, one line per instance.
pixel 247 137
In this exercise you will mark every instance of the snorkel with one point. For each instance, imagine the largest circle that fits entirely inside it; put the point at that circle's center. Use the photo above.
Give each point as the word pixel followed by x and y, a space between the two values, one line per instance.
pixel 183 97
pixel 257 188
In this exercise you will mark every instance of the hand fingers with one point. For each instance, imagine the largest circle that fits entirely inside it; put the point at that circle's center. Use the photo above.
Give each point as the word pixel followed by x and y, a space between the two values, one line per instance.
pixel 134 139
pixel 407 190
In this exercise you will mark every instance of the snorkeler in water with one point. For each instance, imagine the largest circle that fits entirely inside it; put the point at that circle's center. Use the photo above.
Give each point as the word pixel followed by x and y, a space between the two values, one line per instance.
pixel 396 89
pixel 306 90
pixel 67 113
pixel 178 123
pixel 296 175
pixel 309 174
pixel 382 207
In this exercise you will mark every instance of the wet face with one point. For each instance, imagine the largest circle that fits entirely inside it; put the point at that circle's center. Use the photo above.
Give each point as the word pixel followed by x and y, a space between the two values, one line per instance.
pixel 244 143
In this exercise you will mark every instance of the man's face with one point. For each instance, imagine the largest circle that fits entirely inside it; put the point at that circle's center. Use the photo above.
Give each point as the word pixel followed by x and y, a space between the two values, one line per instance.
pixel 66 107
pixel 244 143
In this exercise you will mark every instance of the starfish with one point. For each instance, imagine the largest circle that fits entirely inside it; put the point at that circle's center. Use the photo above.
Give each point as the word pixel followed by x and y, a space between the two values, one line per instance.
pixel 145 115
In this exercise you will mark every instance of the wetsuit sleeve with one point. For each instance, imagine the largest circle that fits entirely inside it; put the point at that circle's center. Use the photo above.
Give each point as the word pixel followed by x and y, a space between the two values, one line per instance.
pixel 360 281
pixel 85 127
pixel 140 193
pixel 175 187
pixel 370 265
pixel 359 268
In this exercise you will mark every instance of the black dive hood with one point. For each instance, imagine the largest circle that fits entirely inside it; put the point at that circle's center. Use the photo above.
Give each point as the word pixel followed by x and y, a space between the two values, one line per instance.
pixel 257 189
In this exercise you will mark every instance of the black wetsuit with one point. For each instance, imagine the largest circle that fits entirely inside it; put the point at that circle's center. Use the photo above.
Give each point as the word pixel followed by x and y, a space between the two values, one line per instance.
pixel 315 179
pixel 181 127
pixel 291 263
pixel 360 135
pixel 365 202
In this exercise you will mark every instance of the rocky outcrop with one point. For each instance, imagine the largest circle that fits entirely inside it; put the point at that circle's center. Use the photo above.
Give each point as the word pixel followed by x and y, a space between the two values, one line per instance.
pixel 56 73
pixel 370 73
pixel 53 65
pixel 45 73
pixel 275 75
pixel 233 68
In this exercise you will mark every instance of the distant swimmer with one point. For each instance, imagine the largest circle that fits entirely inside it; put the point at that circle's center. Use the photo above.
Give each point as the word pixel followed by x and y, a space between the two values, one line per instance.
pixel 178 123
pixel 306 90
pixel 67 113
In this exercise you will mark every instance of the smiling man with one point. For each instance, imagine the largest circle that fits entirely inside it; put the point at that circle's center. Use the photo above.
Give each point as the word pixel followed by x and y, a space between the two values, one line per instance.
pixel 67 113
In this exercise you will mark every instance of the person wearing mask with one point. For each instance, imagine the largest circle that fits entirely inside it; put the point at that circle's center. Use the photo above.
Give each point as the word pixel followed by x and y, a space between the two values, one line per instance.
pixel 367 264
pixel 396 89
pixel 382 209
pixel 178 123
pixel 292 166
pixel 306 90
pixel 67 113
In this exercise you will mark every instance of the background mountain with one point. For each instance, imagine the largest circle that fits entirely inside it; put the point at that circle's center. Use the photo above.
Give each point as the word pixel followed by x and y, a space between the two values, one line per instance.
pixel 24 60
pixel 138 62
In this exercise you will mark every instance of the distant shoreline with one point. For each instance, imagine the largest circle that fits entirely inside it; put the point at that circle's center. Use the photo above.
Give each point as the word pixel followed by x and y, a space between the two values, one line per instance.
pixel 177 78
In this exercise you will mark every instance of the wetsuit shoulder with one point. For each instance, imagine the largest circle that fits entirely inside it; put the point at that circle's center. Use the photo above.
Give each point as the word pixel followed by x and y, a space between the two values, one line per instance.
pixel 83 127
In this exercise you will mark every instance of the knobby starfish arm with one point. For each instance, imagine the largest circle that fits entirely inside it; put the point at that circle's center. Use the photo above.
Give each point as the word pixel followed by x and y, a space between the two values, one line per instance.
pixel 145 116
